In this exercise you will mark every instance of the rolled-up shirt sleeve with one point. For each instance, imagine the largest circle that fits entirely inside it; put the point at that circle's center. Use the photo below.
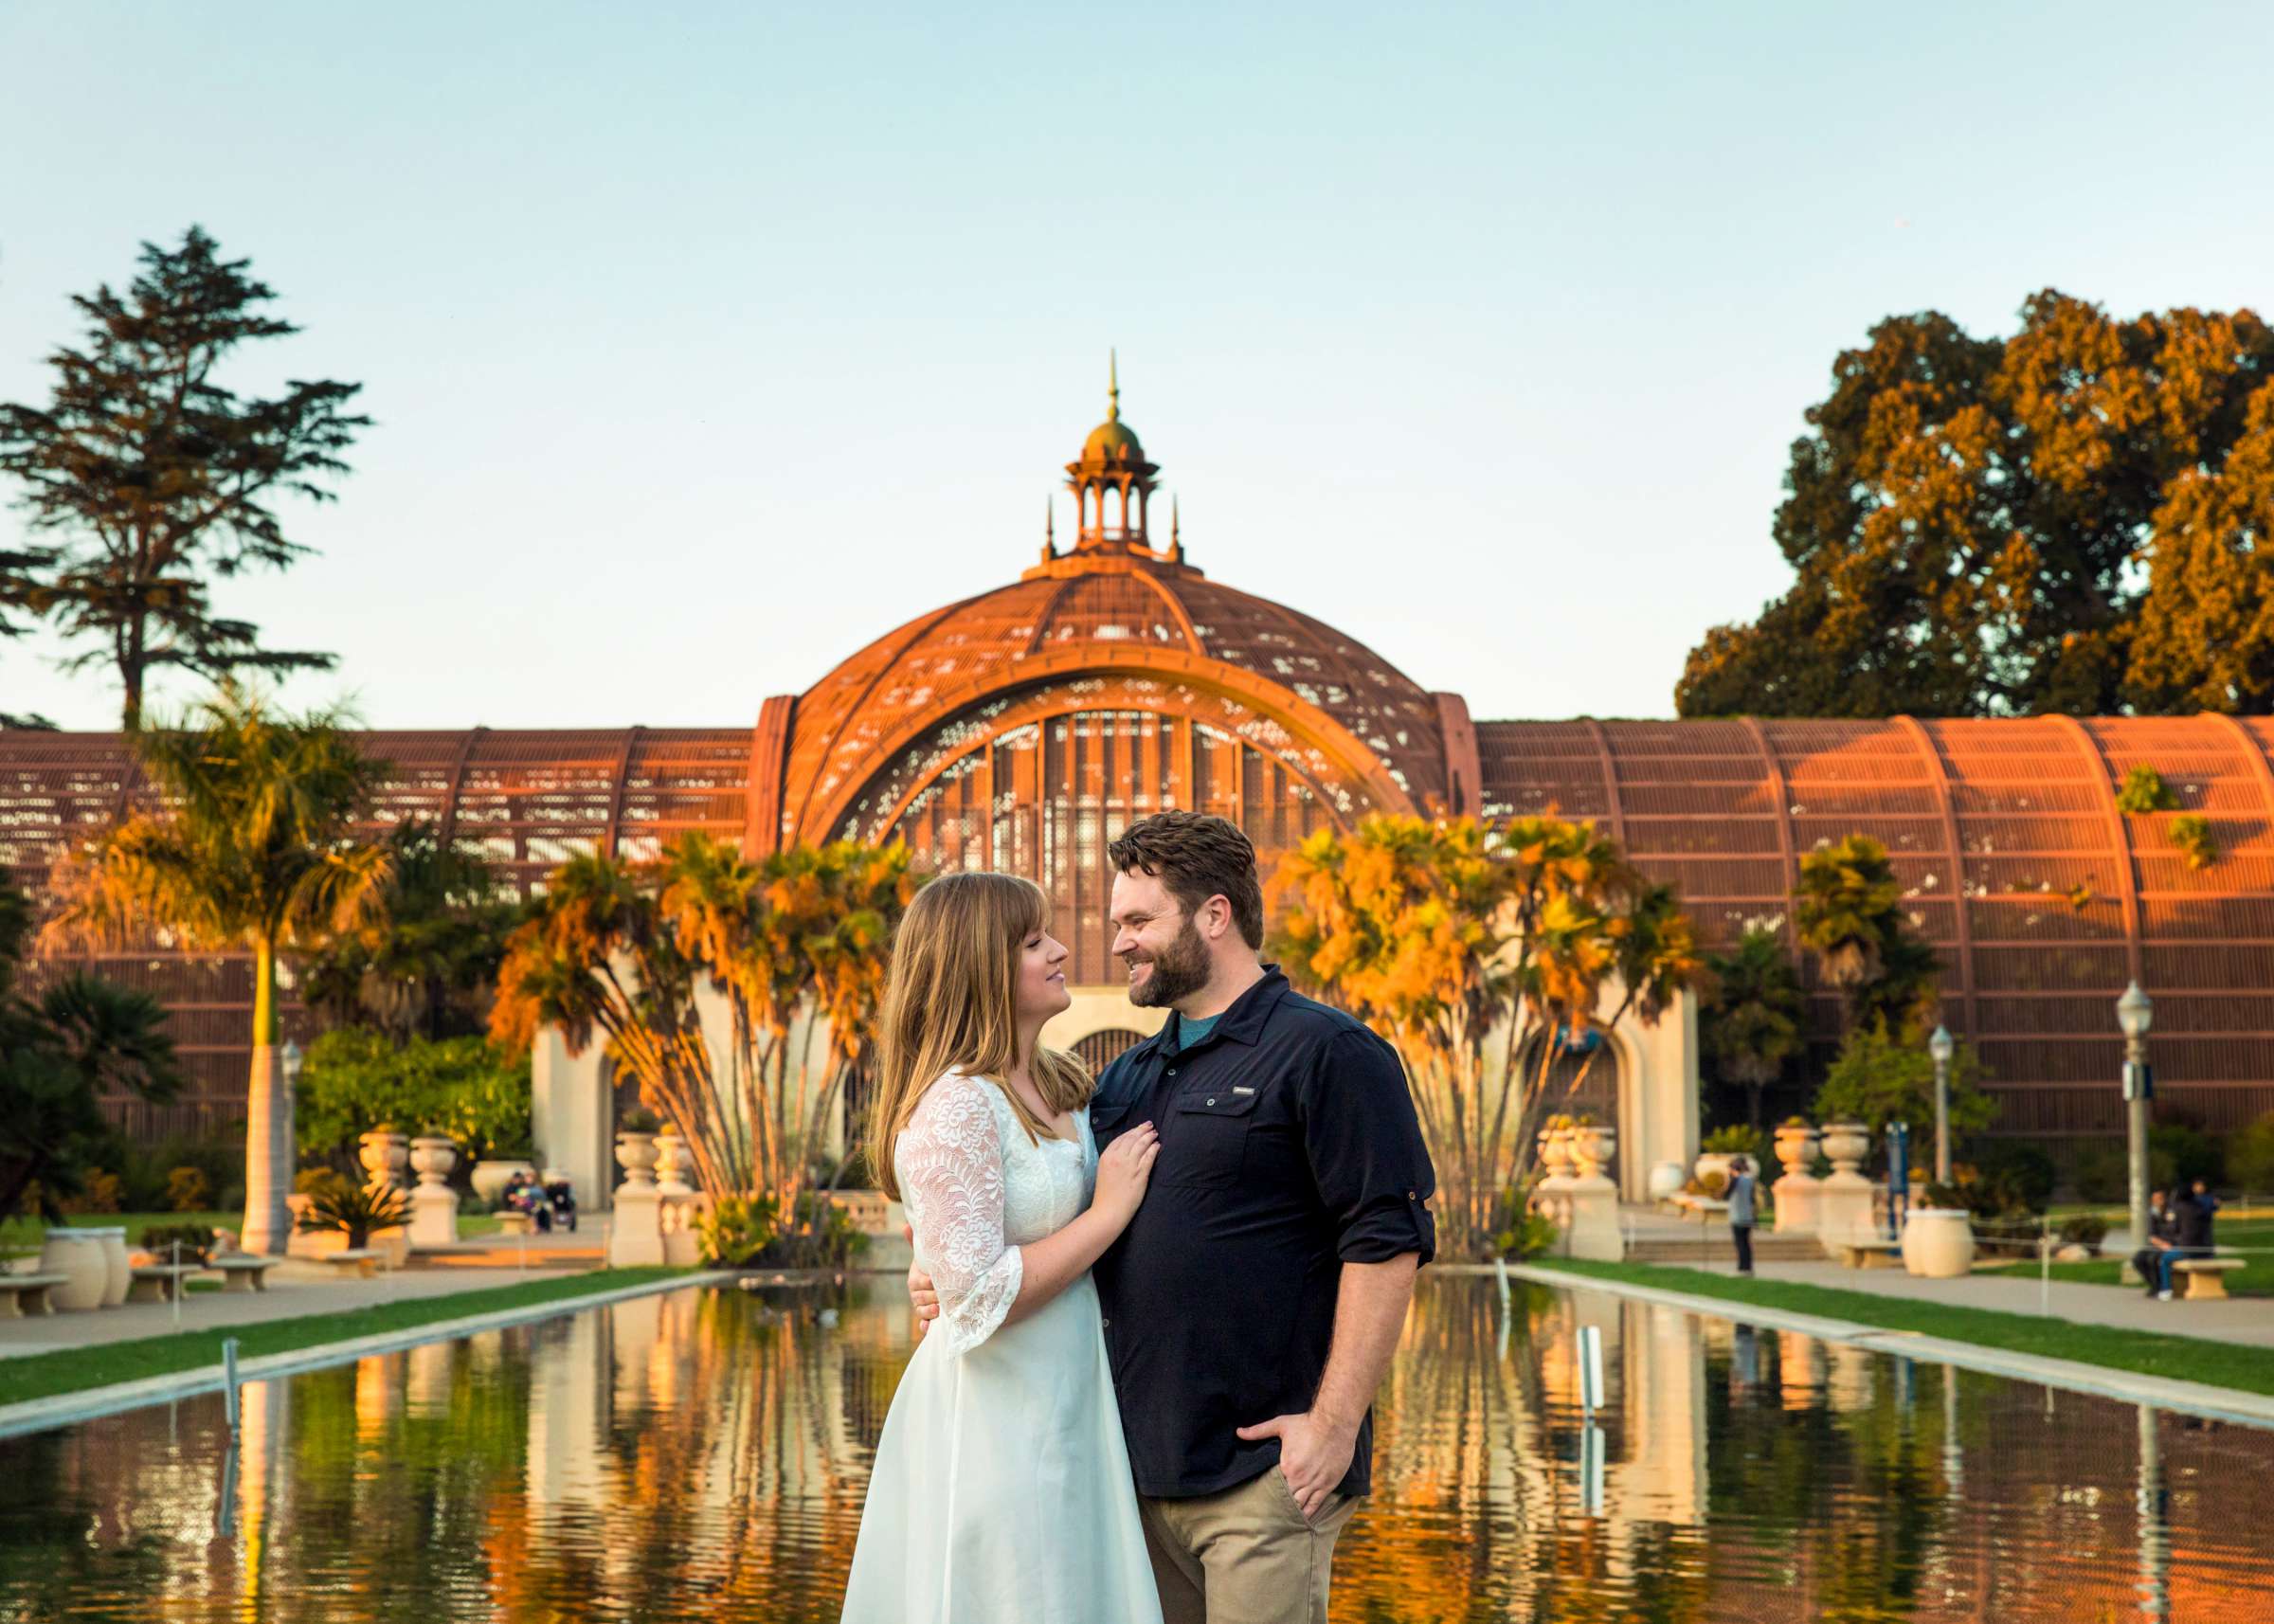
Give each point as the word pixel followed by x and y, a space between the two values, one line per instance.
pixel 1364 1140
pixel 950 1161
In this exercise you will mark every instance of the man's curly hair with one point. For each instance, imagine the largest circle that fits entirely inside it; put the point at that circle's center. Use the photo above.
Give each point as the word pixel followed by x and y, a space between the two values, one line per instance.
pixel 1197 855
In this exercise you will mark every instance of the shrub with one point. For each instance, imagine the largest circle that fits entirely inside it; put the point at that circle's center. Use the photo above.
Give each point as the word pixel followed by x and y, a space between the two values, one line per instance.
pixel 311 1180
pixel 188 1190
pixel 2192 835
pixel 356 1081
pixel 736 1230
pixel 1738 1140
pixel 2086 1230
pixel 100 1192
pixel 2102 1173
pixel 2251 1157
pixel 354 1211
pixel 2144 790
pixel 639 1120
pixel 1519 1232
pixel 2018 1175
pixel 1877 1080
pixel 2178 1154
pixel 196 1241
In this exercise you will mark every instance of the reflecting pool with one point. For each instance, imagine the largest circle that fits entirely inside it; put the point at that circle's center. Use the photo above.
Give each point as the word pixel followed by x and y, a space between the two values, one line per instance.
pixel 702 1455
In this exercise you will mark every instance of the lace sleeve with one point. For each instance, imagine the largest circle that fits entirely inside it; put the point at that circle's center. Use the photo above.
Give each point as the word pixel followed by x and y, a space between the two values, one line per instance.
pixel 950 1161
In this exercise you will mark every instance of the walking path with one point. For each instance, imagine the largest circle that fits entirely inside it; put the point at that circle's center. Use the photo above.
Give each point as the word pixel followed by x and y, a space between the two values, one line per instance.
pixel 1656 1237
pixel 2191 1398
pixel 2246 1320
pixel 298 1287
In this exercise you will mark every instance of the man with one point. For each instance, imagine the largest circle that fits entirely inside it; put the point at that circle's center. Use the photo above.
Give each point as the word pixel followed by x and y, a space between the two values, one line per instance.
pixel 1741 1186
pixel 1252 1307
pixel 2163 1234
pixel 2191 1212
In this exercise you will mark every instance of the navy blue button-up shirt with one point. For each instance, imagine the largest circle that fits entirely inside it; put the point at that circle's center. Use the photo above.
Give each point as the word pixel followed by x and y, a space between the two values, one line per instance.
pixel 1289 1146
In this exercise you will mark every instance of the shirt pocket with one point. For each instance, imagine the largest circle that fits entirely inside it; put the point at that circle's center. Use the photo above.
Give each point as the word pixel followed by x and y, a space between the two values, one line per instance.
pixel 1208 1141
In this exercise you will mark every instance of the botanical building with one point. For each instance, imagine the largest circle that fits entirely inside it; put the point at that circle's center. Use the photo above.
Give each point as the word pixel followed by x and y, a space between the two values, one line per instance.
pixel 1022 727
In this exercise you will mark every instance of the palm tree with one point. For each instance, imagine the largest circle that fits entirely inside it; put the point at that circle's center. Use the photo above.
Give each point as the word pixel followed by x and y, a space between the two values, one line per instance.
pixel 1849 911
pixel 254 849
pixel 427 968
pixel 83 1037
pixel 793 943
pixel 1751 1025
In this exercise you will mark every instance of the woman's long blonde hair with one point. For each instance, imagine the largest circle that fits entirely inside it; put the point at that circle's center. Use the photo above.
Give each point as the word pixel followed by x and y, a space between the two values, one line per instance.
pixel 952 1003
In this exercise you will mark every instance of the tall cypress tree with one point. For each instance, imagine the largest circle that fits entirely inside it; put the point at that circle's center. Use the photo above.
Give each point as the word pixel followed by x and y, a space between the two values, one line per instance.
pixel 155 479
pixel 20 573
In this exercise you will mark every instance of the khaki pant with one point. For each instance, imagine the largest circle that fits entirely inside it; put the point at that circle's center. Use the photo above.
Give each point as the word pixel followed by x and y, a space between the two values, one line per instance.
pixel 1243 1555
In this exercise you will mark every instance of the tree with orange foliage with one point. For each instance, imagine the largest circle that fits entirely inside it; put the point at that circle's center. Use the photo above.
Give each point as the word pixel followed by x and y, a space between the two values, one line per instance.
pixel 796 945
pixel 2071 519
pixel 1479 949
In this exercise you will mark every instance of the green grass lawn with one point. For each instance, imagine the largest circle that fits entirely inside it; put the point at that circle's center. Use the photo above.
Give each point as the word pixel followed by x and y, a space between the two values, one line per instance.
pixel 71 1370
pixel 21 1236
pixel 2145 1353
pixel 2250 1233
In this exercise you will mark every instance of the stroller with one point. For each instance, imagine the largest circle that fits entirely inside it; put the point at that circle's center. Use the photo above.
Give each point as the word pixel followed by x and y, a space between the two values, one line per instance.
pixel 559 1204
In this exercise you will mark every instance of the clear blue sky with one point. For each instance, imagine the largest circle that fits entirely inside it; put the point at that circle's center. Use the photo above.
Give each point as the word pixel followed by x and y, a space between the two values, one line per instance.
pixel 708 342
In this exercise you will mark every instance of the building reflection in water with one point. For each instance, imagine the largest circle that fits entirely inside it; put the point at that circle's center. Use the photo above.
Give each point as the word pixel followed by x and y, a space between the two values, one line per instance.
pixel 702 1455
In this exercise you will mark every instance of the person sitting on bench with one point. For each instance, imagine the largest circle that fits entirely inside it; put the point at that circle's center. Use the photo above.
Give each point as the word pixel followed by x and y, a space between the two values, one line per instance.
pixel 2163 1234
pixel 2192 1210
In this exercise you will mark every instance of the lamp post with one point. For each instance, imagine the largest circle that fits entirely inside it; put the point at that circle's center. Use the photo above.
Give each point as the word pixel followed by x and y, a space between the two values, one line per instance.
pixel 1941 1046
pixel 2135 1012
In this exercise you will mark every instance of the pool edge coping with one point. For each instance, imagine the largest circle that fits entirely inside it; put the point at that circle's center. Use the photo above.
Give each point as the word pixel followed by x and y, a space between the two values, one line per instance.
pixel 2230 1404
pixel 90 1403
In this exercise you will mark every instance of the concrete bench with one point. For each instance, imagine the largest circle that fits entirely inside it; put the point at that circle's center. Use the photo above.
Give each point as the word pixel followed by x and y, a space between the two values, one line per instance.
pixel 159 1282
pixel 513 1220
pixel 1871 1252
pixel 1703 1208
pixel 22 1295
pixel 243 1272
pixel 2206 1276
pixel 361 1261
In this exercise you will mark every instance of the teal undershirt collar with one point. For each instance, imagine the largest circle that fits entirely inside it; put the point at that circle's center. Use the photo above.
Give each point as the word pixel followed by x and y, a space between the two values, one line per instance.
pixel 1190 1032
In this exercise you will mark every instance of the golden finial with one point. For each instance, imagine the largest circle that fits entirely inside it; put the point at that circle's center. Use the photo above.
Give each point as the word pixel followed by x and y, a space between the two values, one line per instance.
pixel 1113 386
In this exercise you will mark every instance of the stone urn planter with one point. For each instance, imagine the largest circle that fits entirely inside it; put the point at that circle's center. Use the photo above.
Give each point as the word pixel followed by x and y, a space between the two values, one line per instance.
pixel 384 1154
pixel 119 1270
pixel 78 1255
pixel 1555 1151
pixel 1797 1149
pixel 1666 1180
pixel 432 1156
pixel 1712 1162
pixel 636 1155
pixel 1592 1147
pixel 673 1163
pixel 1846 1144
pixel 1937 1242
pixel 490 1177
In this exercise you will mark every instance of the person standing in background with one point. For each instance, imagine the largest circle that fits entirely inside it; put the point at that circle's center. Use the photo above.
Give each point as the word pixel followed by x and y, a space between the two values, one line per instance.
pixel 1741 1186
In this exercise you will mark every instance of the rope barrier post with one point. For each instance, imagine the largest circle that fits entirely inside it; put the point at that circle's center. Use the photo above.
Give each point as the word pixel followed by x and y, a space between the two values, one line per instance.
pixel 174 1286
pixel 228 1381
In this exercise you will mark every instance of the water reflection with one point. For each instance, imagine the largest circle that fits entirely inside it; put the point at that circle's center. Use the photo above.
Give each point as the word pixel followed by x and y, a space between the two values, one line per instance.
pixel 702 1455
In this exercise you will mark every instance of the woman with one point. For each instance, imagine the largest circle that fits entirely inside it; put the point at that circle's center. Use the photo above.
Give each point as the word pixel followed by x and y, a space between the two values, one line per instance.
pixel 1001 1487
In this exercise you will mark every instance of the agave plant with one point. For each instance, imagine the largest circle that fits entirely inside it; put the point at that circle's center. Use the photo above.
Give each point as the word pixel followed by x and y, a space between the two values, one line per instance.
pixel 354 1211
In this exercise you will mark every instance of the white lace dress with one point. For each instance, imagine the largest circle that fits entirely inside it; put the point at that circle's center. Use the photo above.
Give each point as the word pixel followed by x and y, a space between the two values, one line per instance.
pixel 1001 1492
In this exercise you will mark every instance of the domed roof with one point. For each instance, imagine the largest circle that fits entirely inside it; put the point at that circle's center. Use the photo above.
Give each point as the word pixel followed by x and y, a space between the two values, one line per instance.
pixel 1112 440
pixel 1254 663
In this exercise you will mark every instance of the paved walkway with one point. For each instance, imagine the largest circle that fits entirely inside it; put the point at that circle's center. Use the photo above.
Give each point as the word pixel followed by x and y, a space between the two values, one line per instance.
pixel 2246 1320
pixel 298 1287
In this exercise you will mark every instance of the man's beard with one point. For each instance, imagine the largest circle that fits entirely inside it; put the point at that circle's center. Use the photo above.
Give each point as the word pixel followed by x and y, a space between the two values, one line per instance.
pixel 1179 971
